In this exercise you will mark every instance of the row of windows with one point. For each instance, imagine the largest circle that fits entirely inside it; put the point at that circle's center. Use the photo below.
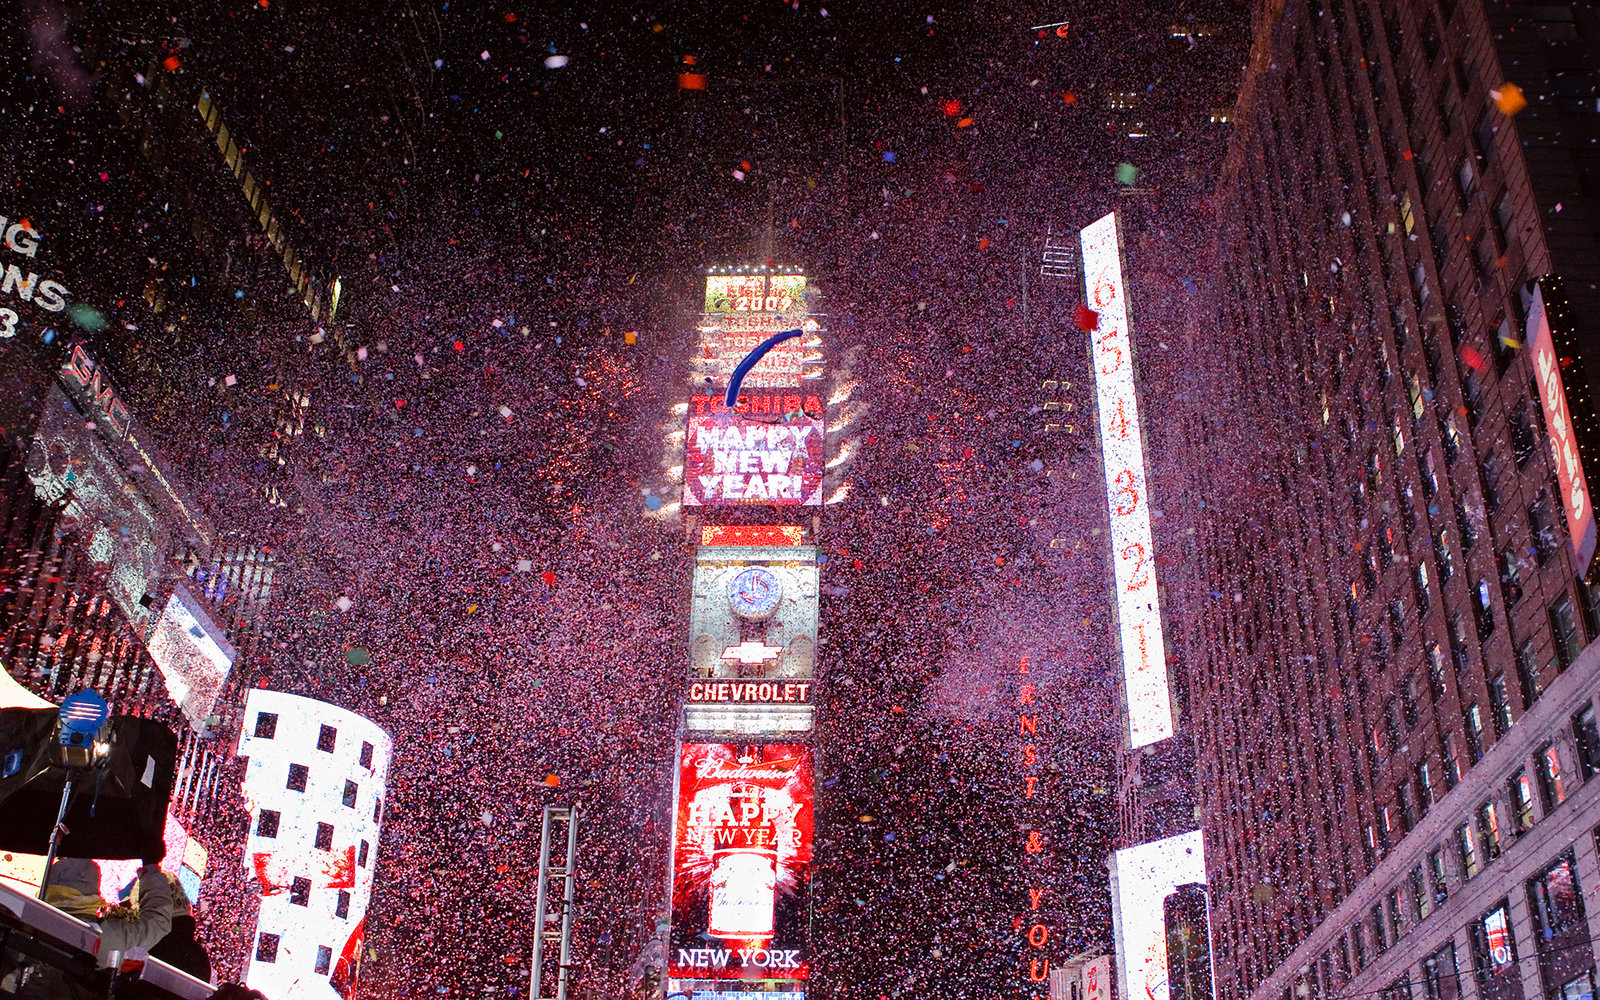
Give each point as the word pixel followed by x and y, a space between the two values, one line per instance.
pixel 267 826
pixel 267 951
pixel 266 728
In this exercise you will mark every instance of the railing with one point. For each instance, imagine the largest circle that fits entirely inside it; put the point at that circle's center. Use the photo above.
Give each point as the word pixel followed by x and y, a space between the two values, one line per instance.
pixel 33 933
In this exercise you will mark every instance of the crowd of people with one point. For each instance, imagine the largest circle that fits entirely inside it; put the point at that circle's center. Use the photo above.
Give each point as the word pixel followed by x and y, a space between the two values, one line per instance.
pixel 467 509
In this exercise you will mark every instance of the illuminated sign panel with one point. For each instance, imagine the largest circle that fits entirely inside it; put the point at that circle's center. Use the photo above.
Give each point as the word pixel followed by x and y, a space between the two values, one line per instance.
pixel 314 787
pixel 768 450
pixel 1097 979
pixel 1563 446
pixel 741 870
pixel 72 468
pixel 1144 660
pixel 1142 878
pixel 753 640
pixel 193 654
pixel 742 310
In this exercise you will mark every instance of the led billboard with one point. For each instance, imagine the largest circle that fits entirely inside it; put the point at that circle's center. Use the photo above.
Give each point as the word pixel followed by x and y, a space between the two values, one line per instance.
pixel 742 310
pixel 766 450
pixel 193 654
pixel 753 640
pixel 1563 446
pixel 741 864
pixel 314 786
pixel 72 469
pixel 1144 659
pixel 1142 878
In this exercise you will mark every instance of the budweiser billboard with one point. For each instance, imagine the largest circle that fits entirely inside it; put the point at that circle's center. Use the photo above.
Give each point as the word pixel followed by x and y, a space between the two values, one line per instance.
pixel 741 868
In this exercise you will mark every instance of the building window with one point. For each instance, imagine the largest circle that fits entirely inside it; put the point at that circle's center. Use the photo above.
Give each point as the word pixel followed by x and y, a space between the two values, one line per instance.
pixel 1565 627
pixel 1586 737
pixel 298 773
pixel 266 729
pixel 1500 705
pixel 1544 531
pixel 1358 944
pixel 1424 593
pixel 1380 940
pixel 300 892
pixel 1520 789
pixel 1421 899
pixel 267 948
pixel 1452 761
pixel 1441 884
pixel 1474 733
pixel 324 840
pixel 351 789
pixel 361 857
pixel 1484 610
pixel 1552 790
pixel 267 823
pixel 1560 932
pixel 1489 830
pixel 1528 674
pixel 327 737
pixel 324 959
pixel 1441 555
pixel 366 755
pixel 1402 794
pixel 1495 956
pixel 1468 847
pixel 341 909
pixel 1435 671
pixel 1424 786
pixel 1439 974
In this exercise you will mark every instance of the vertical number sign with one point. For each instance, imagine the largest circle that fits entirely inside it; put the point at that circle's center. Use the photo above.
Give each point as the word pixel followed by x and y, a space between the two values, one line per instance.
pixel 1144 662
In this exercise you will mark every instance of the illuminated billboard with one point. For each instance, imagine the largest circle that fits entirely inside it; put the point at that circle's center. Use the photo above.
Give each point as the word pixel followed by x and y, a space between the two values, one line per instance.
pixel 1142 878
pixel 742 310
pixel 1563 445
pixel 753 640
pixel 193 654
pixel 766 450
pixel 1144 659
pixel 71 468
pixel 741 865
pixel 314 786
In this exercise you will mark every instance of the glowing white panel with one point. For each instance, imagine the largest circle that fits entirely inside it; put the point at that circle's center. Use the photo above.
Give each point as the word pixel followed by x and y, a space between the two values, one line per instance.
pixel 1142 878
pixel 1144 657
pixel 193 653
pixel 314 786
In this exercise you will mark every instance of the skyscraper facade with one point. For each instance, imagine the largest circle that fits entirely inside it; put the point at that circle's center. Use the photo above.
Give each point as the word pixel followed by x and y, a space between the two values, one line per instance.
pixel 1386 625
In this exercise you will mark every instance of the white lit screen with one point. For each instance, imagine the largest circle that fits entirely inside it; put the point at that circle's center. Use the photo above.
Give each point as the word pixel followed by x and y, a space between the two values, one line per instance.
pixel 1142 878
pixel 193 654
pixel 314 787
pixel 1144 659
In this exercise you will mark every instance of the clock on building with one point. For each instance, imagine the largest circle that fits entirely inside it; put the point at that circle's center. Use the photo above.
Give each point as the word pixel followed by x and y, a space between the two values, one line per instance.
pixel 754 593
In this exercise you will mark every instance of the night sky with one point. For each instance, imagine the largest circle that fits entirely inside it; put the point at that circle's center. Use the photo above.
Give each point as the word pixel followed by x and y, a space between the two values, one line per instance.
pixel 498 224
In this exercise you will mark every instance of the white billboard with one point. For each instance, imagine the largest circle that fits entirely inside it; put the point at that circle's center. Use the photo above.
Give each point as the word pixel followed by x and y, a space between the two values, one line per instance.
pixel 1144 658
pixel 194 655
pixel 314 786
pixel 1142 878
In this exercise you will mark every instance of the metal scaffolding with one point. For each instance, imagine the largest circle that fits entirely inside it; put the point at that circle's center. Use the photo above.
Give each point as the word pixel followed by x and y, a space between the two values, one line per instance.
pixel 557 882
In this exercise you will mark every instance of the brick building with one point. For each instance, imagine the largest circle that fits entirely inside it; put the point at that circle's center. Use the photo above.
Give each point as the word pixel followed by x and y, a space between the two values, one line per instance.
pixel 1387 639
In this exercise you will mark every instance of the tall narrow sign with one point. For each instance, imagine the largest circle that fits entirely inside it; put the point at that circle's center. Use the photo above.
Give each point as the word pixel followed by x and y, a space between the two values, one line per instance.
pixel 1563 446
pixel 1144 660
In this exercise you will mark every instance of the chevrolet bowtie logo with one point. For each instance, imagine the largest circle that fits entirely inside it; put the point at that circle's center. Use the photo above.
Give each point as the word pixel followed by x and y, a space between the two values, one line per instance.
pixel 751 651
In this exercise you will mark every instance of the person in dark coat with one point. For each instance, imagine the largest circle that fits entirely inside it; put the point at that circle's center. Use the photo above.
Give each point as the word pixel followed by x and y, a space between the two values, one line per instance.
pixel 179 948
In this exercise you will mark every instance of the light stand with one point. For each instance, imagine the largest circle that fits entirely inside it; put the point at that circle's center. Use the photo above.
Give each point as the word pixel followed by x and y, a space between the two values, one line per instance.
pixel 82 740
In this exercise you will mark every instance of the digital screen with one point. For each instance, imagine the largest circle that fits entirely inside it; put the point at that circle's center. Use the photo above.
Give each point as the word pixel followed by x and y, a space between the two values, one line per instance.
pixel 1097 979
pixel 71 468
pixel 193 654
pixel 1563 446
pixel 741 311
pixel 751 534
pixel 768 450
pixel 1497 935
pixel 1144 659
pixel 1142 878
pixel 741 866
pixel 314 787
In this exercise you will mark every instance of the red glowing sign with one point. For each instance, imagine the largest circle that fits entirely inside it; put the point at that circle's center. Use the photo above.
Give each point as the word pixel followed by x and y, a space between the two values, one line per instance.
pixel 741 871
pixel 1563 445
pixel 752 534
